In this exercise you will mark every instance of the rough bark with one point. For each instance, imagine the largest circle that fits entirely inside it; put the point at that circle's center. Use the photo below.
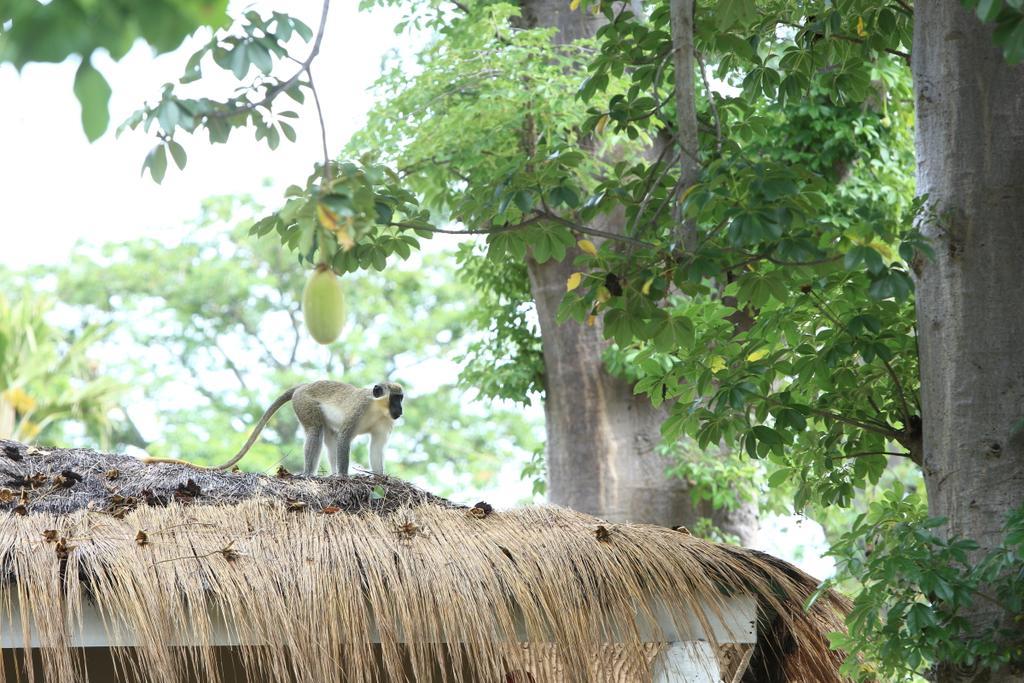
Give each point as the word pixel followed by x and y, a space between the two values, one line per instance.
pixel 602 439
pixel 970 152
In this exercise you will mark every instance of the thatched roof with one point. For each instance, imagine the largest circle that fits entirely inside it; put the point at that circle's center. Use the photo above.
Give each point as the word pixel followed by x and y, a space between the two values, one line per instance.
pixel 66 480
pixel 310 572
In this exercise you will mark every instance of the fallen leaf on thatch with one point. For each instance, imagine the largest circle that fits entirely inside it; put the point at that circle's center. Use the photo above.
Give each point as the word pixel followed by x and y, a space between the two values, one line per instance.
pixel 602 534
pixel 282 473
pixel 112 474
pixel 296 505
pixel 142 538
pixel 407 529
pixel 187 492
pixel 331 509
pixel 50 535
pixel 481 510
pixel 153 499
pixel 6 495
pixel 13 452
pixel 67 479
pixel 681 529
pixel 63 549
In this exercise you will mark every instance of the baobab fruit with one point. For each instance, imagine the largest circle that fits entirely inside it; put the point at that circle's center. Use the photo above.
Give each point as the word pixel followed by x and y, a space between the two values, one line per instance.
pixel 323 305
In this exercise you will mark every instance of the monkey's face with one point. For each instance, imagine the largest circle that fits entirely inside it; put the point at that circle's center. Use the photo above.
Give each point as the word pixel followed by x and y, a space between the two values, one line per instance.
pixel 394 394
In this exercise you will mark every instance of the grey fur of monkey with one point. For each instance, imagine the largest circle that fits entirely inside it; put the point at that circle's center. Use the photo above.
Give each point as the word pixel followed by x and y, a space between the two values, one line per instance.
pixel 331 413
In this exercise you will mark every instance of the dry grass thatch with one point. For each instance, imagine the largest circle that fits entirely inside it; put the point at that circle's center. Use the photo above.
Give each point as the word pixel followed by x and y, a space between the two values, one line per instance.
pixel 308 588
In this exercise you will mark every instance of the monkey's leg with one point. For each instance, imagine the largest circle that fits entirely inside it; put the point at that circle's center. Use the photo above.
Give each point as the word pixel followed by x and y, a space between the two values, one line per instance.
pixel 344 444
pixel 314 444
pixel 331 441
pixel 377 441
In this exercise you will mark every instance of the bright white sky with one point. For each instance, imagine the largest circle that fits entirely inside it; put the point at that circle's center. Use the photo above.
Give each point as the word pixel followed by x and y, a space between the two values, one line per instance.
pixel 56 188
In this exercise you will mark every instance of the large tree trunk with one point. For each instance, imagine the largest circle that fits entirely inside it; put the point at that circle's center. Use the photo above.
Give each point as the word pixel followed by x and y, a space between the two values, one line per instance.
pixel 970 153
pixel 602 439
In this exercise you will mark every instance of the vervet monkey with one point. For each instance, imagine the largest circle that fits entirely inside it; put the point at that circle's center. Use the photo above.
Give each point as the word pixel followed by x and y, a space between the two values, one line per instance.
pixel 334 412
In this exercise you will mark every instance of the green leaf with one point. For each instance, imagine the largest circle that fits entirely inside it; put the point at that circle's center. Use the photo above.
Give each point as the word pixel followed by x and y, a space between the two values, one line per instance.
pixel 260 56
pixel 156 162
pixel 305 31
pixel 177 153
pixel 288 131
pixel 779 477
pixel 93 93
pixel 767 435
pixel 168 115
pixel 988 10
pixel 240 61
pixel 731 12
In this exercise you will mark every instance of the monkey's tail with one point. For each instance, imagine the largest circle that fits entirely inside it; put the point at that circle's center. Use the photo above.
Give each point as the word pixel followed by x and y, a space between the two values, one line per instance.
pixel 278 402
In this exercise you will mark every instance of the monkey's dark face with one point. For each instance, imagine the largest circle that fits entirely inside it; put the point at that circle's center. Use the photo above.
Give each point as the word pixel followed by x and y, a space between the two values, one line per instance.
pixel 394 395
pixel 395 405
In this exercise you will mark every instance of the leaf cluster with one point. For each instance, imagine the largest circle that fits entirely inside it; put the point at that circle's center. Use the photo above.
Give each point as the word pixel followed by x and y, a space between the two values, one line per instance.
pixel 32 31
pixel 913 589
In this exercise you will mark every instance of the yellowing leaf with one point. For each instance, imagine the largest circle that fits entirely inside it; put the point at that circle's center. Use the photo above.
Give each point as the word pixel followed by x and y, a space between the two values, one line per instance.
pixel 717 364
pixel 587 246
pixel 882 248
pixel 686 193
pixel 601 123
pixel 646 289
pixel 591 320
pixel 860 28
pixel 603 295
pixel 574 5
pixel 327 218
pixel 19 400
pixel 28 429
pixel 757 355
pixel 573 282
pixel 345 240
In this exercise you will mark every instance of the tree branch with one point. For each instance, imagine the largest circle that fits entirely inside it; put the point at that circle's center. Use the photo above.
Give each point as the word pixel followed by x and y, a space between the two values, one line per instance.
pixel 888 367
pixel 711 102
pixel 536 217
pixel 281 87
pixel 907 9
pixel 323 128
pixel 681 28
pixel 867 453
pixel 595 231
pixel 850 39
pixel 853 422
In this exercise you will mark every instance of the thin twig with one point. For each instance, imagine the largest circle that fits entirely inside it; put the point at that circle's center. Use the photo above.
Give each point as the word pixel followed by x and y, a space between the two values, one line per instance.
pixel 278 89
pixel 853 422
pixel 538 216
pixel 888 367
pixel 863 454
pixel 711 102
pixel 596 231
pixel 494 230
pixel 850 39
pixel 909 10
pixel 652 181
pixel 323 129
pixel 899 392
pixel 812 262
